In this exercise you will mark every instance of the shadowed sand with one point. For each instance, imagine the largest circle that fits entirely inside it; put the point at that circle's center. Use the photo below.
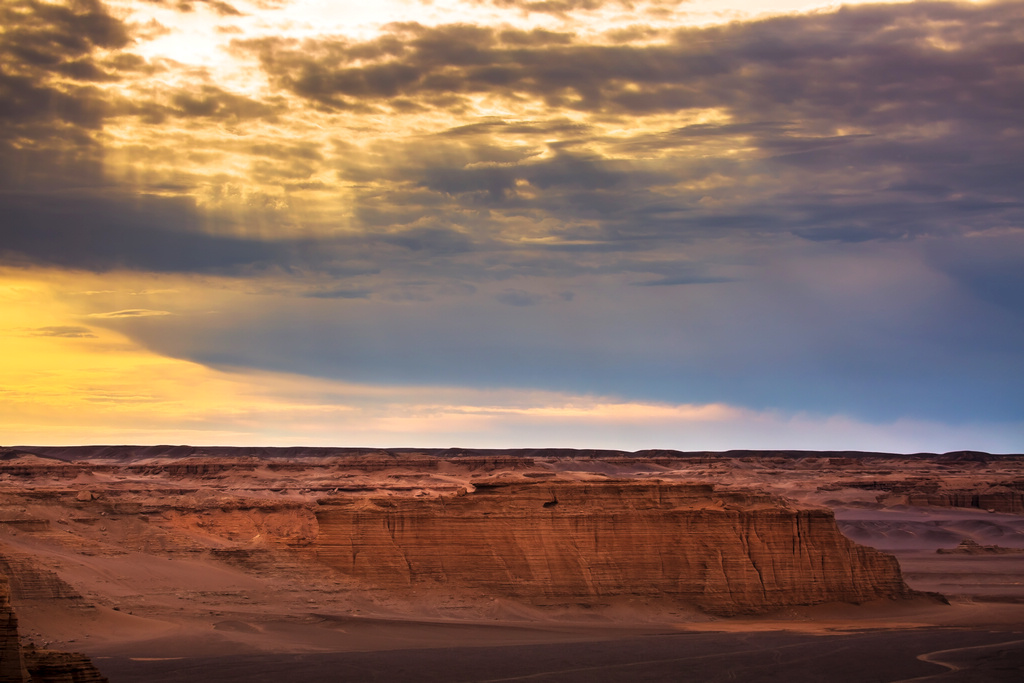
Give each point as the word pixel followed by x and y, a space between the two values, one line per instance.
pixel 756 656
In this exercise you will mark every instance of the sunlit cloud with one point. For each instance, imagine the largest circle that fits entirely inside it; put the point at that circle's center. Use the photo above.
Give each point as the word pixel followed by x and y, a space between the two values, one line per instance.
pixel 68 331
pixel 790 218
pixel 129 313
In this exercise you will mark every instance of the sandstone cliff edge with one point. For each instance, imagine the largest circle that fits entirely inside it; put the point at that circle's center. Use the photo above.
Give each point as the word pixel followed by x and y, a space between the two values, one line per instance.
pixel 725 552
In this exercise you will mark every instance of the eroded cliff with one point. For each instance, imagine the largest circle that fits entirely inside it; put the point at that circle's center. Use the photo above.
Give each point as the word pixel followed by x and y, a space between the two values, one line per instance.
pixel 31 665
pixel 12 663
pixel 725 552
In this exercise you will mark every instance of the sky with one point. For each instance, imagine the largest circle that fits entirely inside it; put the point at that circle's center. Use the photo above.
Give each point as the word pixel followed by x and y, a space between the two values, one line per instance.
pixel 696 225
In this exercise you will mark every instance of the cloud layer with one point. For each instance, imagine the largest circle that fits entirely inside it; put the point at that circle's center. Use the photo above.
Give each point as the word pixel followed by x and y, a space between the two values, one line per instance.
pixel 812 211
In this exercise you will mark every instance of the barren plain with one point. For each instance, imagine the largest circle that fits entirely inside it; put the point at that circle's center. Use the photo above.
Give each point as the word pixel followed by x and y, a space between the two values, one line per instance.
pixel 315 564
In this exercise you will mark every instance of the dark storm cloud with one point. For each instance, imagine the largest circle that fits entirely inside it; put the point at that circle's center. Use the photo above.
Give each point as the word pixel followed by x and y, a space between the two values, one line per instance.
pixel 105 233
pixel 430 240
pixel 202 102
pixel 843 118
pixel 872 123
pixel 564 170
pixel 208 101
pixel 23 100
pixel 101 230
pixel 41 41
pixel 474 183
pixel 42 34
pixel 874 63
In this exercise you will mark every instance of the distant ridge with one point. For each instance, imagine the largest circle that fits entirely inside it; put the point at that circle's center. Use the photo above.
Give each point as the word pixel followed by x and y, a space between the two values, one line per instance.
pixel 127 453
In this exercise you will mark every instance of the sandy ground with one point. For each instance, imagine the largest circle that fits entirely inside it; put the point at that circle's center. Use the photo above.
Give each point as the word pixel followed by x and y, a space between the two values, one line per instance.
pixel 271 637
pixel 921 655
pixel 153 613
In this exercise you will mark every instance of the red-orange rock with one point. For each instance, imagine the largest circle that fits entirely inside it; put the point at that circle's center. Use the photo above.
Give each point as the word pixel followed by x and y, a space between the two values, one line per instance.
pixel 30 665
pixel 12 664
pixel 50 666
pixel 724 552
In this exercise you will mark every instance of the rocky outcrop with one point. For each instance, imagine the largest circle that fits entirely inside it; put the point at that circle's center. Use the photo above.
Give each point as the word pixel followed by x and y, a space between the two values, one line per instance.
pixel 12 664
pixel 29 665
pixel 50 666
pixel 724 552
pixel 996 498
pixel 971 547
pixel 28 581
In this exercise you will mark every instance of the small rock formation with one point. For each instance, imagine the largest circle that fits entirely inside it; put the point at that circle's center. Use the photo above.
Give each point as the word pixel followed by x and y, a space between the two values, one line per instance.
pixel 50 666
pixel 12 664
pixel 725 552
pixel 30 665
pixel 971 547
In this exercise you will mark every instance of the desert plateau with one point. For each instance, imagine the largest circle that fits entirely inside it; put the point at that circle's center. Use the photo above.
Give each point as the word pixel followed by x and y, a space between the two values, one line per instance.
pixel 330 564
pixel 553 341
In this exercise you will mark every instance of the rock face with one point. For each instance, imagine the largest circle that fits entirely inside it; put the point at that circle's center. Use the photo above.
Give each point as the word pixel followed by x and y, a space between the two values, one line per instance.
pixel 970 547
pixel 37 666
pixel 12 665
pixel 724 552
pixel 50 666
pixel 1007 498
pixel 28 581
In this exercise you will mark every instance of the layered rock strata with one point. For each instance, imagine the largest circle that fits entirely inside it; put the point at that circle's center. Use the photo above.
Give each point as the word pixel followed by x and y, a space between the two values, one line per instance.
pixel 28 581
pixel 30 665
pixel 12 664
pixel 51 666
pixel 970 547
pixel 725 552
